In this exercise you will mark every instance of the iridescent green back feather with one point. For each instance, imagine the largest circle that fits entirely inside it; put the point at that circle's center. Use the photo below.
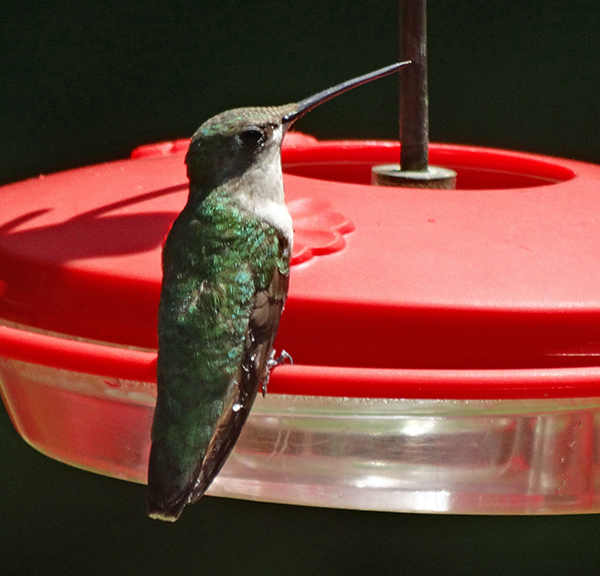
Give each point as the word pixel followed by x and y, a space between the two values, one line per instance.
pixel 221 266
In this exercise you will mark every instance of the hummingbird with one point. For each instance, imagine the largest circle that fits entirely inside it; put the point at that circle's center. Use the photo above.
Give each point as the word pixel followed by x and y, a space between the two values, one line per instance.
pixel 226 267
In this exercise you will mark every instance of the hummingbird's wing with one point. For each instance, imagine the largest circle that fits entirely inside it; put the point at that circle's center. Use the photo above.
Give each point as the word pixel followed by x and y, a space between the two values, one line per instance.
pixel 264 322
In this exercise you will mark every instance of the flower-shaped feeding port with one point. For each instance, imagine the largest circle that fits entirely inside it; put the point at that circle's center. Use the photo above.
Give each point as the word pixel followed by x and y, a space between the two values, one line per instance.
pixel 445 352
pixel 318 228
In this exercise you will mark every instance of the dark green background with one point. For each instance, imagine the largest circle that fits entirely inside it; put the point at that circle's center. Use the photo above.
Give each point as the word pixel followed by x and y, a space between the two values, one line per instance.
pixel 83 82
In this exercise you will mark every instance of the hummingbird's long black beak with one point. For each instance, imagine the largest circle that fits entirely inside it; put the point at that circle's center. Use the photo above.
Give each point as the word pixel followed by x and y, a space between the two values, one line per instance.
pixel 313 101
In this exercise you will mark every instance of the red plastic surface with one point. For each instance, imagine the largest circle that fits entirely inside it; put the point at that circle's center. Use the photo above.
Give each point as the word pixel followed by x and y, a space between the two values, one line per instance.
pixel 489 291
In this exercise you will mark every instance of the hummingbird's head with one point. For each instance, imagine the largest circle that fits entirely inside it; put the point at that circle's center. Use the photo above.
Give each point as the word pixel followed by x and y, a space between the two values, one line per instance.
pixel 228 144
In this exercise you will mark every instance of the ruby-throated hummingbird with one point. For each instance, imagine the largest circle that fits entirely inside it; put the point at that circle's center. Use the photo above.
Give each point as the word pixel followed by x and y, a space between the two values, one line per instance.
pixel 226 265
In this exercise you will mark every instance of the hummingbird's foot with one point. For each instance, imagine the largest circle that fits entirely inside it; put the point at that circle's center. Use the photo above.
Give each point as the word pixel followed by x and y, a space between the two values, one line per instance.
pixel 281 359
pixel 272 362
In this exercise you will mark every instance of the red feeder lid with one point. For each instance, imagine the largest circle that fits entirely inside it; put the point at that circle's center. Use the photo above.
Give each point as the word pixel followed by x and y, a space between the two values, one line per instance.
pixel 488 291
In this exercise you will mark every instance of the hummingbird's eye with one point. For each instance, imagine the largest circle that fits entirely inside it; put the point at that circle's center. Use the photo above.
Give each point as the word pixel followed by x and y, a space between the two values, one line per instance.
pixel 253 136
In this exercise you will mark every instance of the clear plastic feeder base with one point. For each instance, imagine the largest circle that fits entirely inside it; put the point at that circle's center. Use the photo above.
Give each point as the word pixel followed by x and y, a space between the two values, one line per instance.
pixel 405 455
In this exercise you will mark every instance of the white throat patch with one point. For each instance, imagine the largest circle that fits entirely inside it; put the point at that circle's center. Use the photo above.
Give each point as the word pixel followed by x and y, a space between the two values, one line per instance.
pixel 262 191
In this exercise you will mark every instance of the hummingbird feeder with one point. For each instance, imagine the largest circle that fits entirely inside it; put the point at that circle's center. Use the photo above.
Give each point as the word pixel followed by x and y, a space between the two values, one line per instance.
pixel 445 341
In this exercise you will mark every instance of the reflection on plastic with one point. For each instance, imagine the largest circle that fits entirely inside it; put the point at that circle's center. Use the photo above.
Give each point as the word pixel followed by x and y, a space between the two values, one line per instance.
pixel 455 456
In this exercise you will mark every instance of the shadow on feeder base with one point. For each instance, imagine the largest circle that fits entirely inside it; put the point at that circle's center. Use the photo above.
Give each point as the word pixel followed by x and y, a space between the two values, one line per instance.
pixel 433 177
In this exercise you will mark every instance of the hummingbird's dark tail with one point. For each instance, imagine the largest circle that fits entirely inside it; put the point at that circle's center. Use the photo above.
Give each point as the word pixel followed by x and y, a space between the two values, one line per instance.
pixel 166 497
pixel 159 510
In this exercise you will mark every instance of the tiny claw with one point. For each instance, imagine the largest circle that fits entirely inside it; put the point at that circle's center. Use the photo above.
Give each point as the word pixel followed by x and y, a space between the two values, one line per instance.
pixel 281 359
pixel 272 362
